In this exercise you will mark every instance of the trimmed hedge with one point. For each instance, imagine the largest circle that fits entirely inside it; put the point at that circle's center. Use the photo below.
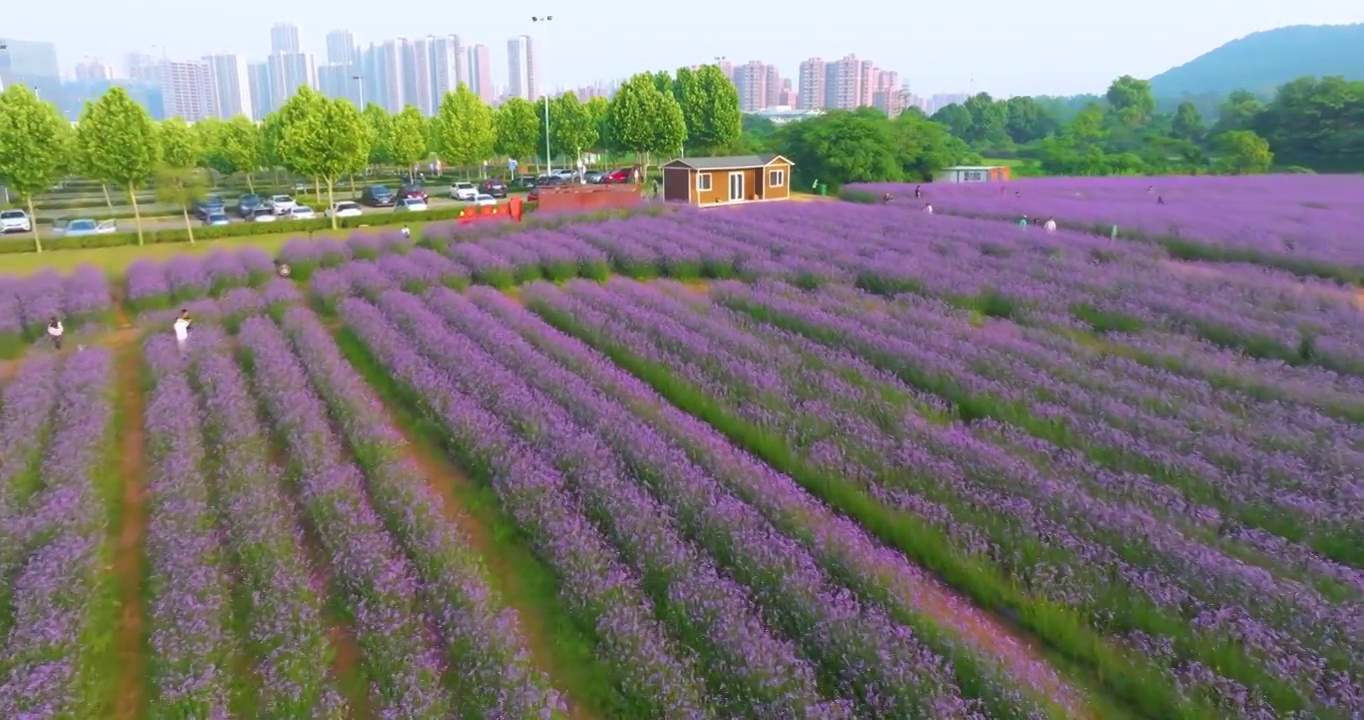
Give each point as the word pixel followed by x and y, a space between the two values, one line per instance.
pixel 244 229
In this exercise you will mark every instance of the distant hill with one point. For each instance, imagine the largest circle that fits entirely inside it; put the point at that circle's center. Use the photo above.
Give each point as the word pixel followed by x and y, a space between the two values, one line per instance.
pixel 1262 61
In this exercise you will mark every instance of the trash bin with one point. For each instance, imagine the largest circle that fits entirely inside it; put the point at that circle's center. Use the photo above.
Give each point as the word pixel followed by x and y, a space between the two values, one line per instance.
pixel 823 190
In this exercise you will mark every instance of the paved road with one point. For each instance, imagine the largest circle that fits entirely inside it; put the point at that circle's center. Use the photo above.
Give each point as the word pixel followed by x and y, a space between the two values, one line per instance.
pixel 175 222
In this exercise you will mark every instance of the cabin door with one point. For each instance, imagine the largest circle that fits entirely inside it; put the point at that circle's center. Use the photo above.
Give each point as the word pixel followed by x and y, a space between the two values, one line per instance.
pixel 736 186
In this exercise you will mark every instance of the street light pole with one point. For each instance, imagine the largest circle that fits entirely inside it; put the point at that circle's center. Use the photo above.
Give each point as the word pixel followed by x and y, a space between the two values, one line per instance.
pixel 361 79
pixel 549 162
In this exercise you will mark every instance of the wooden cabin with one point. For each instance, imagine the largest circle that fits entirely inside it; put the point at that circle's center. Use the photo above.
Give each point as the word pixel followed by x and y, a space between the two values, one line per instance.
pixel 712 181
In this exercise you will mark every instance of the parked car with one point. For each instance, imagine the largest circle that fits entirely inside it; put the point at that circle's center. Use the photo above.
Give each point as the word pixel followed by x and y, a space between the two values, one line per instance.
pixel 593 177
pixel 344 209
pixel 412 190
pixel 262 214
pixel 533 195
pixel 217 218
pixel 494 187
pixel 85 226
pixel 378 196
pixel 301 212
pixel 566 174
pixel 15 221
pixel 463 191
pixel 247 204
pixel 482 199
pixel 208 205
pixel 623 175
pixel 281 204
pixel 410 205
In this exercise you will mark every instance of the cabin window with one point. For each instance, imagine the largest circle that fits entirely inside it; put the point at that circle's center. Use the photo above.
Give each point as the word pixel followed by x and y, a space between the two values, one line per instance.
pixel 703 182
pixel 776 178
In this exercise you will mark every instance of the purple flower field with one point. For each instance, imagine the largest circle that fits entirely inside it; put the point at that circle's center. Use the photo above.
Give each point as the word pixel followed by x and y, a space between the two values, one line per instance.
pixel 1294 221
pixel 28 304
pixel 814 460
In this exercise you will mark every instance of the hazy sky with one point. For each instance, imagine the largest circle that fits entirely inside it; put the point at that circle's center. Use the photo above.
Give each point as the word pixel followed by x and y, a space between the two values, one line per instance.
pixel 1007 47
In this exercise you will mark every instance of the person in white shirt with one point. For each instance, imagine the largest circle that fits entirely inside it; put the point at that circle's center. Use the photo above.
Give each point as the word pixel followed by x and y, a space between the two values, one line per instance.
pixel 54 331
pixel 928 208
pixel 1050 225
pixel 406 232
pixel 182 324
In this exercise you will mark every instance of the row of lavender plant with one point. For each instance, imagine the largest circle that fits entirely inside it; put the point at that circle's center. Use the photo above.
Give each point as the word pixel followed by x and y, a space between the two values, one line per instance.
pixel 656 677
pixel 281 623
pixel 52 661
pixel 1279 467
pixel 230 308
pixel 653 459
pixel 763 674
pixel 483 638
pixel 381 588
pixel 155 285
pixel 191 646
pixel 703 362
pixel 28 304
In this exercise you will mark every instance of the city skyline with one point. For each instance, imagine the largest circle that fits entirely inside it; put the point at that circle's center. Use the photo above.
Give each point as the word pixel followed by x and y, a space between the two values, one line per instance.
pixel 1000 47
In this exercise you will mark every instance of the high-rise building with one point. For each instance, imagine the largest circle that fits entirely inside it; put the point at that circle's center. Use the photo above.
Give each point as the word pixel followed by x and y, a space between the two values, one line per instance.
pixel 751 81
pixel 284 38
pixel 288 73
pixel 389 76
pixel 229 87
pixel 449 66
pixel 419 88
pixel 93 70
pixel 24 62
pixel 773 87
pixel 843 84
pixel 481 73
pixel 134 61
pixel 187 90
pixel 521 70
pixel 810 85
pixel 341 48
pixel 258 86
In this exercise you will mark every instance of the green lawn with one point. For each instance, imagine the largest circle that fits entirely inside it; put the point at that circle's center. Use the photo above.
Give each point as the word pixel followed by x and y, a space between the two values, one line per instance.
pixel 116 259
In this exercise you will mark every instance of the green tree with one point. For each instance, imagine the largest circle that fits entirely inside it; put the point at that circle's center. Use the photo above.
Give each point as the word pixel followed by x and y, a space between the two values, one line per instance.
pixel 463 128
pixel 599 109
pixel 842 146
pixel 409 143
pixel 118 144
pixel 380 128
pixel 35 144
pixel 710 108
pixel 1238 112
pixel 323 139
pixel 237 147
pixel 1132 100
pixel 177 143
pixel 956 118
pixel 645 121
pixel 1187 123
pixel 572 129
pixel 924 147
pixel 1026 120
pixel 180 186
pixel 517 125
pixel 1317 122
pixel 206 138
pixel 1243 153
pixel 988 119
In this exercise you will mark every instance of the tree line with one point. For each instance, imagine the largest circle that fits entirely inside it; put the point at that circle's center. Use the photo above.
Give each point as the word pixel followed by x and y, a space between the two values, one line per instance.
pixel 1309 125
pixel 115 142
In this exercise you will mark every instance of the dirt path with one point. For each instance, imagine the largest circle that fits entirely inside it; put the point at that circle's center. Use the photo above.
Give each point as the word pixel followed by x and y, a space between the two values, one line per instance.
pixel 443 477
pixel 7 369
pixel 130 642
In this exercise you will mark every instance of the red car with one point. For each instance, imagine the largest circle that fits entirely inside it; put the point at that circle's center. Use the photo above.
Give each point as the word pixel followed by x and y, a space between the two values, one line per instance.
pixel 533 195
pixel 623 175
pixel 412 191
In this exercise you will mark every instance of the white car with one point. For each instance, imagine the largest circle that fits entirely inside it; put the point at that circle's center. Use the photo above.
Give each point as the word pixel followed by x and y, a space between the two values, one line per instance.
pixel 15 221
pixel 281 204
pixel 463 191
pixel 301 212
pixel 85 226
pixel 344 210
pixel 262 214
pixel 410 205
pixel 481 199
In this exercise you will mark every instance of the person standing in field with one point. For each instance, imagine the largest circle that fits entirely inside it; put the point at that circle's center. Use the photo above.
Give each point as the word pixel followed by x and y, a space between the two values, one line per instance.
pixel 406 233
pixel 54 331
pixel 182 325
pixel 928 208
pixel 1050 225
